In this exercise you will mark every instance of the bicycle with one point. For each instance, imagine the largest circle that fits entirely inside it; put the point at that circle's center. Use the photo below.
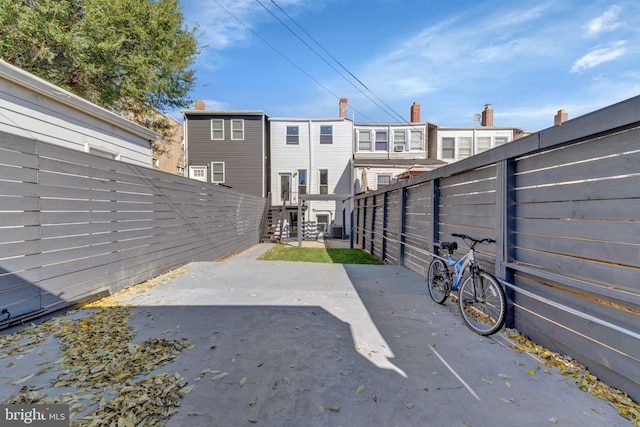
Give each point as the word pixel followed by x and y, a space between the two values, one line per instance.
pixel 481 298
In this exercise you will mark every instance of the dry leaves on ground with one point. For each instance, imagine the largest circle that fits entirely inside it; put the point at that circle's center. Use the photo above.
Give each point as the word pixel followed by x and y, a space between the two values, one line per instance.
pixel 586 381
pixel 111 377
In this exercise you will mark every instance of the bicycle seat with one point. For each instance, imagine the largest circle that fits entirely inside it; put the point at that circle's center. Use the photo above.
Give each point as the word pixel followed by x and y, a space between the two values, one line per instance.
pixel 449 246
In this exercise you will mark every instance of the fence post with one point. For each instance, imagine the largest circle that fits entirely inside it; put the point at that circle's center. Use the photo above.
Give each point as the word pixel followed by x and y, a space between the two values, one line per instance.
pixel 435 213
pixel 505 224
pixel 401 224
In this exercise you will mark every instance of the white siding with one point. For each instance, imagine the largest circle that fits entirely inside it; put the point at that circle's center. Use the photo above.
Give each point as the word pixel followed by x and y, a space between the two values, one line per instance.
pixel 473 134
pixel 33 108
pixel 309 154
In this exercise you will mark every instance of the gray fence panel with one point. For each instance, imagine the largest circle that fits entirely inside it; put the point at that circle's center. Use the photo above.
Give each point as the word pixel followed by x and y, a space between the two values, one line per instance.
pixel 564 206
pixel 392 221
pixel 78 226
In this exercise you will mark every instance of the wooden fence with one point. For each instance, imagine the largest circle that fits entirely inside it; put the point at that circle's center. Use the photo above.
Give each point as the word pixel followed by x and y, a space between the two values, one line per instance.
pixel 564 208
pixel 74 226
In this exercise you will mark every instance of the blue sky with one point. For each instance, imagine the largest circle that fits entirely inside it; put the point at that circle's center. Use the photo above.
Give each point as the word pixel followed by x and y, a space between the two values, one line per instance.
pixel 526 58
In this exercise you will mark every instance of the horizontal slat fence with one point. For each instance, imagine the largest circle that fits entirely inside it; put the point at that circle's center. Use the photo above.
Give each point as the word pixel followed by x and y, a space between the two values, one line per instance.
pixel 564 207
pixel 74 226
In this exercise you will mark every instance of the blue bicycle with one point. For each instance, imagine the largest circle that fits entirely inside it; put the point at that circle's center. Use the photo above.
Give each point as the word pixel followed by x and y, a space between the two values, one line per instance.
pixel 481 298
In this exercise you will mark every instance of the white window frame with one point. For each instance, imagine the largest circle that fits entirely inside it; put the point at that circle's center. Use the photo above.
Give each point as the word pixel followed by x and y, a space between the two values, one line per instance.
pixel 361 132
pixel 234 130
pixel 401 141
pixel 292 139
pixel 192 174
pixel 217 130
pixel 155 162
pixel 302 189
pixel 465 147
pixel 320 184
pixel 326 138
pixel 483 140
pixel 420 141
pixel 385 177
pixel 213 172
pixel 386 141
pixel 452 140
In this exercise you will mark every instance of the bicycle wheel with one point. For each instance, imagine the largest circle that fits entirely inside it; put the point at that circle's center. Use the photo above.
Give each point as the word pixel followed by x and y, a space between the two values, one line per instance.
pixel 483 303
pixel 438 281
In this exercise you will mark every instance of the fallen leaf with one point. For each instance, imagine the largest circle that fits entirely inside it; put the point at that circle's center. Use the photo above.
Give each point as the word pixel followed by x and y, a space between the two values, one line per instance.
pixel 530 372
pixel 320 409
pixel 504 377
pixel 360 389
pixel 23 379
pixel 553 420
pixel 334 408
pixel 286 379
pixel 243 381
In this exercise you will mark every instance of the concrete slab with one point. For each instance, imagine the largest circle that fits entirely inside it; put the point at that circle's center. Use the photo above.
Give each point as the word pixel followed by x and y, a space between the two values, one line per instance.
pixel 352 345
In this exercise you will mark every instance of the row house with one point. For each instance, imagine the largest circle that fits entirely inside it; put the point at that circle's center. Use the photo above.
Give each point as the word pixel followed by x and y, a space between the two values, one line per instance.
pixel 456 143
pixel 312 156
pixel 287 158
pixel 383 151
pixel 228 148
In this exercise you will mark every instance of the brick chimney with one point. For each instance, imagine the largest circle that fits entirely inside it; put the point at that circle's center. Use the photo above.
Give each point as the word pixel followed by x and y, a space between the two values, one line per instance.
pixel 561 117
pixel 199 104
pixel 343 107
pixel 415 112
pixel 487 116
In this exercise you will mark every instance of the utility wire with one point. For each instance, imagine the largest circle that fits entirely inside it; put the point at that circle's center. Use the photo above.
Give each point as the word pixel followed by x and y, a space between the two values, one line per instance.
pixel 283 55
pixel 320 56
pixel 339 63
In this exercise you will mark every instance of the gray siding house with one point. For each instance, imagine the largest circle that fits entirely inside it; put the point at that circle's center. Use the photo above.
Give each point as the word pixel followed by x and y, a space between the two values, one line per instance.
pixel 228 147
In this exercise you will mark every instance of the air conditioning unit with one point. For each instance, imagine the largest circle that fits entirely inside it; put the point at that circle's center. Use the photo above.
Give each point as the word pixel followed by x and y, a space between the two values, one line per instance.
pixel 398 148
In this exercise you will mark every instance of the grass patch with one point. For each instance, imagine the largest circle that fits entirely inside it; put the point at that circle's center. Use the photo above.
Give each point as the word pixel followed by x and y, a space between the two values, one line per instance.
pixel 325 255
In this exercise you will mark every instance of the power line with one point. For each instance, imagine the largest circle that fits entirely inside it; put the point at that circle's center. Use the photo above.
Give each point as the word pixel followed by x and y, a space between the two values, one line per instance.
pixel 282 54
pixel 320 56
pixel 337 62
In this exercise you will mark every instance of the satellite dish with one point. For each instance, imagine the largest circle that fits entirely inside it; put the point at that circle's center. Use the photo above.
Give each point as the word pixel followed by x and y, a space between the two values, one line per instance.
pixel 476 117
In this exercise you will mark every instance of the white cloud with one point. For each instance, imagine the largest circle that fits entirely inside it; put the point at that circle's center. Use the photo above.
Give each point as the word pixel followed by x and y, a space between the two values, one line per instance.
pixel 599 55
pixel 608 21
pixel 227 23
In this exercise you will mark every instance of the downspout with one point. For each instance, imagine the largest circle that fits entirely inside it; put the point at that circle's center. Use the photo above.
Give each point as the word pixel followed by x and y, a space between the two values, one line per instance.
pixel 311 173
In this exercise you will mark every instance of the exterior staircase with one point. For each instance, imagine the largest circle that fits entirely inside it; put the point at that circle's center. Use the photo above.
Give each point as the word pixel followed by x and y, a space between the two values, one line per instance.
pixel 273 223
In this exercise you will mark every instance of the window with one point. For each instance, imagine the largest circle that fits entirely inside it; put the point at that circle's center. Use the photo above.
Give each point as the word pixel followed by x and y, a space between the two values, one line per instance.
pixel 399 140
pixel 448 148
pixel 384 180
pixel 326 134
pixel 484 143
pixel 155 162
pixel 237 129
pixel 217 129
pixel 302 181
pixel 416 140
pixel 464 147
pixel 293 135
pixel 180 170
pixel 323 222
pixel 101 152
pixel 324 181
pixel 500 140
pixel 381 140
pixel 364 140
pixel 198 173
pixel 217 172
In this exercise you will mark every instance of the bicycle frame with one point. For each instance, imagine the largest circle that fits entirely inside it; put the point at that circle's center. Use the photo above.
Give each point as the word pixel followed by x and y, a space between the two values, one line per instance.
pixel 459 266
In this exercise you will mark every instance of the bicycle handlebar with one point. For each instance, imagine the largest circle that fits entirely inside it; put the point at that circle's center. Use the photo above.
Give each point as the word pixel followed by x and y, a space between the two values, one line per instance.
pixel 464 236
